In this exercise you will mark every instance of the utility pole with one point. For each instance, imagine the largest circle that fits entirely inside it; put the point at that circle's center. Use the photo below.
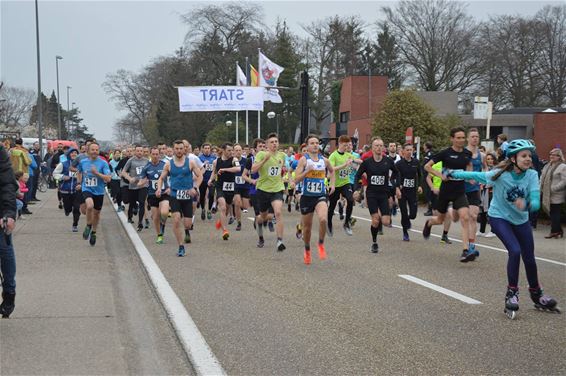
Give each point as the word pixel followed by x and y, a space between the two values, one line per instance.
pixel 304 106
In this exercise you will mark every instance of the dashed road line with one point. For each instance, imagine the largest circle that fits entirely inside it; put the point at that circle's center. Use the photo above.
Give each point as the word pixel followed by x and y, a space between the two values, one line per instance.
pixel 441 290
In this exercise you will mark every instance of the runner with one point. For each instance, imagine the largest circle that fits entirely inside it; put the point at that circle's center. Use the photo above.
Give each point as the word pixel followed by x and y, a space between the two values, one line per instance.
pixel 473 188
pixel 377 170
pixel 223 178
pixel 515 193
pixel 341 161
pixel 311 171
pixel 181 188
pixel 452 190
pixel 196 160
pixel 242 193
pixel 136 194
pixel 68 187
pixel 434 183
pixel 126 155
pixel 93 173
pixel 159 205
pixel 207 158
pixel 395 157
pixel 115 182
pixel 408 185
pixel 270 187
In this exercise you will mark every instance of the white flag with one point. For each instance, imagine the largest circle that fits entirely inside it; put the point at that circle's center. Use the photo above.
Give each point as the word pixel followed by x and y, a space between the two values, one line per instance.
pixel 272 95
pixel 242 80
pixel 268 71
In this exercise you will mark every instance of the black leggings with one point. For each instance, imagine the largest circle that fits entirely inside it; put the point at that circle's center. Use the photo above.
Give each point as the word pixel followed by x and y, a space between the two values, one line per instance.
pixel 137 196
pixel 202 190
pixel 408 200
pixel 72 203
pixel 345 191
pixel 115 191
pixel 556 227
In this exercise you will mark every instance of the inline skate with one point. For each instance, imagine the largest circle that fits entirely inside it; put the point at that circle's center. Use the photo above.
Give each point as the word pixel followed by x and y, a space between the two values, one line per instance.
pixel 543 302
pixel 511 303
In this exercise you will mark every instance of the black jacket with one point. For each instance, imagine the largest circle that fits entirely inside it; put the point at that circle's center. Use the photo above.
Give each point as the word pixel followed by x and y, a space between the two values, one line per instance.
pixel 8 186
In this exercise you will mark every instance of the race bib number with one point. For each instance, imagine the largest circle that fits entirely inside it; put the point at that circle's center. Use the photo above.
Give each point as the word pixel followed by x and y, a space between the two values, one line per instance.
pixel 274 171
pixel 91 182
pixel 209 166
pixel 409 183
pixel 154 185
pixel 139 170
pixel 228 186
pixel 314 187
pixel 240 180
pixel 184 194
pixel 73 174
pixel 377 180
pixel 344 173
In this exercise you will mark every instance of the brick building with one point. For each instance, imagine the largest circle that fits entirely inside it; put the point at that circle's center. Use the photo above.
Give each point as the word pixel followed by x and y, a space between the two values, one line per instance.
pixel 549 132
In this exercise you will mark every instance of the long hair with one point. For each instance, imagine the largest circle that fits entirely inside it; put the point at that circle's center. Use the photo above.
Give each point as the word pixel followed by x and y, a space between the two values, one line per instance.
pixel 506 165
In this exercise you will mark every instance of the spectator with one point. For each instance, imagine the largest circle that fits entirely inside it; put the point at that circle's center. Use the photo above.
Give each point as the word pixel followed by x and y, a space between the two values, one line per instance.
pixel 502 142
pixel 553 189
pixel 35 154
pixel 8 188
pixel 20 157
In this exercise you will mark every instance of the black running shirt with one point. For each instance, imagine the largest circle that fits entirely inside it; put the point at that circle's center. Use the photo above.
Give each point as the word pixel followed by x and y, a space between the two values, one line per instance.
pixel 377 174
pixel 454 160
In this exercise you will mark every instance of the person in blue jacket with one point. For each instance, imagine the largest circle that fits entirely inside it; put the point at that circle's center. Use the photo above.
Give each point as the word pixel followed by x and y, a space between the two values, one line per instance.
pixel 515 193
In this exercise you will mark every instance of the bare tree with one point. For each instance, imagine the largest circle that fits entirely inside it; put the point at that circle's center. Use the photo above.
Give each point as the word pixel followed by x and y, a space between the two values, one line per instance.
pixel 15 105
pixel 126 130
pixel 553 53
pixel 437 41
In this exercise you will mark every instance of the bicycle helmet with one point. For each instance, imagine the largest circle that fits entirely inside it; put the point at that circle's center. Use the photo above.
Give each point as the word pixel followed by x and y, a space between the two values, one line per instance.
pixel 518 145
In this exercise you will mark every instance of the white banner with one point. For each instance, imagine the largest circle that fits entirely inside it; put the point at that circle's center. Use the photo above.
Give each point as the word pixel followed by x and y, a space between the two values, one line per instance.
pixel 220 98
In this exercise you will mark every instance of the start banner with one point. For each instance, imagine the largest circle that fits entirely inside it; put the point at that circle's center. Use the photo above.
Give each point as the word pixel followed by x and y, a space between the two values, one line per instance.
pixel 220 98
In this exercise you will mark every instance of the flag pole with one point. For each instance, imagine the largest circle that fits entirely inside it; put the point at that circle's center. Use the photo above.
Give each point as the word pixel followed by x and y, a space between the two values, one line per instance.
pixel 258 84
pixel 248 84
pixel 237 84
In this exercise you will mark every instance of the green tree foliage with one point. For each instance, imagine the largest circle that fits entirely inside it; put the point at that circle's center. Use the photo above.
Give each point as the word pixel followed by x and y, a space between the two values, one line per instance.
pixel 404 109
pixel 222 133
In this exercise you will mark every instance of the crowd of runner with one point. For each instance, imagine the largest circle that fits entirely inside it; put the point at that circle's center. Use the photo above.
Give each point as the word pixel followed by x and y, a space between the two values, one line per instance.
pixel 462 182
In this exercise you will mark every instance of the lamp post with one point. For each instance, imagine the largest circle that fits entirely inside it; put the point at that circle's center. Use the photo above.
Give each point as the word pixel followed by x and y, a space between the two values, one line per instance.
pixel 272 115
pixel 228 123
pixel 39 104
pixel 57 58
pixel 74 126
pixel 68 88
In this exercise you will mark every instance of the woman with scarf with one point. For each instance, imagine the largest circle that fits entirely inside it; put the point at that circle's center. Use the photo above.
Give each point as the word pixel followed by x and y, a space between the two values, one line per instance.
pixel 553 189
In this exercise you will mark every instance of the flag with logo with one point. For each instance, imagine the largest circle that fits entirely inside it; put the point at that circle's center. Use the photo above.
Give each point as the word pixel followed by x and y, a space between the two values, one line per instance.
pixel 269 73
pixel 241 79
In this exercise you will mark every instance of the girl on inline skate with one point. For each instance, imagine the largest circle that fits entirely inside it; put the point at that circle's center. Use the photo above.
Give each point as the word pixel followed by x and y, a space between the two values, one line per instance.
pixel 515 193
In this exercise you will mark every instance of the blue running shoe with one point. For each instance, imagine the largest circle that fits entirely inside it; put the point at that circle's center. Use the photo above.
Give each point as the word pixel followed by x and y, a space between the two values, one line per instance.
pixel 181 251
pixel 406 237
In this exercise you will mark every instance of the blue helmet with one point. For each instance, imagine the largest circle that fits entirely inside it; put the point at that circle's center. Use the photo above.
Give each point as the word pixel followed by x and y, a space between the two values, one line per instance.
pixel 518 145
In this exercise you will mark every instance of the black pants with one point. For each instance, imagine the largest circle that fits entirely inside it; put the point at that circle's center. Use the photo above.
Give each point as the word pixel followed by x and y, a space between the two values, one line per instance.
pixel 428 195
pixel 555 226
pixel 72 204
pixel 137 196
pixel 35 184
pixel 408 206
pixel 202 190
pixel 346 192
pixel 115 191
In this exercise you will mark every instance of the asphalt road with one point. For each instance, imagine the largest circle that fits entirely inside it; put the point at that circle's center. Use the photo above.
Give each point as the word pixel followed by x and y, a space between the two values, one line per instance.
pixel 265 312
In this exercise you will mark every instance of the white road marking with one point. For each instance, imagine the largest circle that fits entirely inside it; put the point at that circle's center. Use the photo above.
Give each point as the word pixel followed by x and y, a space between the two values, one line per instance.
pixel 193 342
pixel 477 244
pixel 441 290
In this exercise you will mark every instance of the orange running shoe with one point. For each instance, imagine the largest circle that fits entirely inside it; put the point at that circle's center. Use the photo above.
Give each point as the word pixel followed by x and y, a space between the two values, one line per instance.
pixel 218 224
pixel 307 257
pixel 321 251
pixel 225 235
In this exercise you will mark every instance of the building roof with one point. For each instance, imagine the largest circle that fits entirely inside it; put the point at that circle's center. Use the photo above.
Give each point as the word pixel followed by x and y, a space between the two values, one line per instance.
pixel 528 110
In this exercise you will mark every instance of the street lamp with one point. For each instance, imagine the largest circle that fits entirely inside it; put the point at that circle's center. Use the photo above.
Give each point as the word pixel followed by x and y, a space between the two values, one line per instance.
pixel 57 58
pixel 39 104
pixel 271 115
pixel 74 126
pixel 68 88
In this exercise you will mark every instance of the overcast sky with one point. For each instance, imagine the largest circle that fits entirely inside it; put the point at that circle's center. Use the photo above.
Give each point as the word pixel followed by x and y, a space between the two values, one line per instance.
pixel 100 37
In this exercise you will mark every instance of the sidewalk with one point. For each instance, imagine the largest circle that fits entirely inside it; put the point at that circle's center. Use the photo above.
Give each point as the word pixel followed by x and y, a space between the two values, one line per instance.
pixel 82 309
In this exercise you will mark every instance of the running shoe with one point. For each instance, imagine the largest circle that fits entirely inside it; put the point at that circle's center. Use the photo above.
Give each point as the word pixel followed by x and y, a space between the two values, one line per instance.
pixel 489 235
pixel 329 230
pixel 120 209
pixel 203 215
pixel 181 251
pixel 218 224
pixel 244 210
pixel 130 220
pixel 75 229
pixel 231 220
pixel 67 213
pixel 213 210
pixel 280 246
pixel 86 232
pixel 444 239
pixel 270 225
pixel 299 233
pixel 426 230
pixel 353 222
pixel 255 223
pixel 239 226
pixel 225 235
pixel 140 227
pixel 60 205
pixel 159 239
pixel 92 238
pixel 374 248
pixel 208 215
pixel 467 256
pixel 474 250
pixel 406 237
pixel 321 251
pixel 260 243
pixel 187 237
pixel 347 229
pixel 307 257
